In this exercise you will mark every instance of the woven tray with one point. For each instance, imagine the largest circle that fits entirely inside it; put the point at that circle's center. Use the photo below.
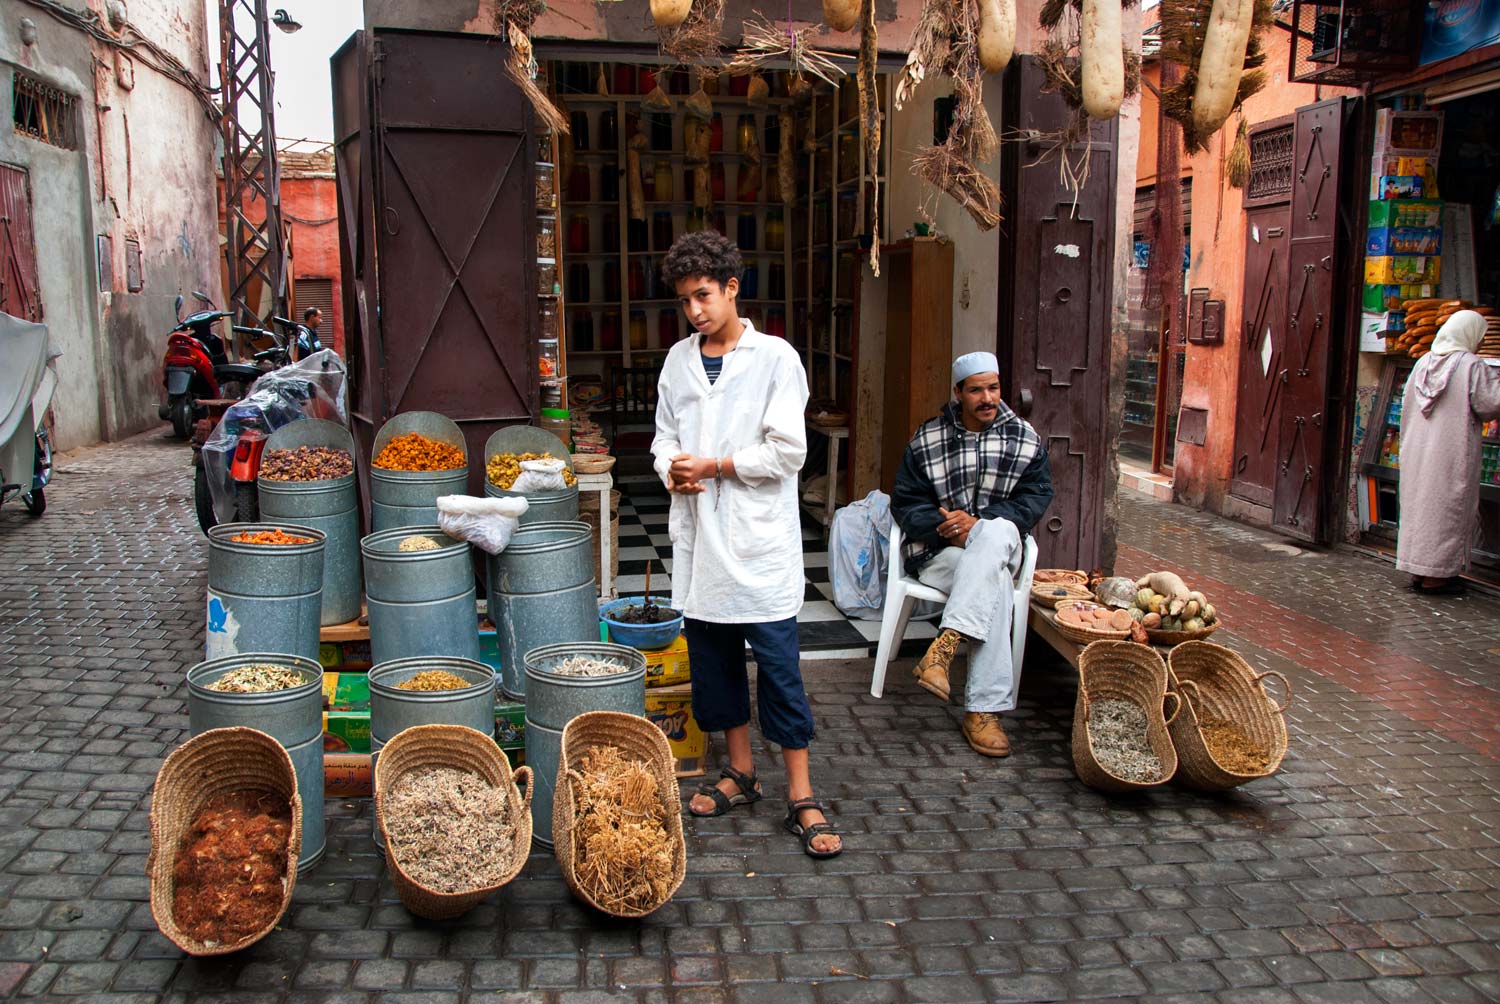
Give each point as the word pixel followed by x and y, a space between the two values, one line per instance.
pixel 592 463
pixel 209 764
pixel 640 739
pixel 1044 593
pixel 466 749
pixel 1059 575
pixel 1215 682
pixel 1125 671
pixel 1084 636
pixel 1171 638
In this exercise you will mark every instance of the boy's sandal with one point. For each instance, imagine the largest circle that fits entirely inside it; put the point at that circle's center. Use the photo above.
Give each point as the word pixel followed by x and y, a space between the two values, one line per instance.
pixel 749 792
pixel 811 831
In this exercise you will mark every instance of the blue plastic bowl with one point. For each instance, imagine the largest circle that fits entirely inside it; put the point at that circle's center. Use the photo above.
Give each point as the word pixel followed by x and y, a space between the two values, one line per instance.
pixel 642 636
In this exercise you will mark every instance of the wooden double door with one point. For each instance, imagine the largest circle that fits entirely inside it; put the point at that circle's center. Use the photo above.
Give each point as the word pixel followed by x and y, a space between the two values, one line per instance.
pixel 1295 335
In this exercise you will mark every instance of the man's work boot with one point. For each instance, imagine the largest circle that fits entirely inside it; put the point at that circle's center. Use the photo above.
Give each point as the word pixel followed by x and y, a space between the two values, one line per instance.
pixel 932 671
pixel 982 730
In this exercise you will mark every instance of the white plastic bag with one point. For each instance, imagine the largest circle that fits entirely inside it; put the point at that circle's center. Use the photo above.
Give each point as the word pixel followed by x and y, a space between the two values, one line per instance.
pixel 858 553
pixel 540 476
pixel 487 523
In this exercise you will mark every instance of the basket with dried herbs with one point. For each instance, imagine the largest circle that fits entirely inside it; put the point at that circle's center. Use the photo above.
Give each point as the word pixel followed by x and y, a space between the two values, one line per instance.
pixel 617 817
pixel 1230 730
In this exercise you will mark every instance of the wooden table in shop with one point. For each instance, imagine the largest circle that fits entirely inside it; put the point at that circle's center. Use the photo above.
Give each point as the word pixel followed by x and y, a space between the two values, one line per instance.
pixel 1043 621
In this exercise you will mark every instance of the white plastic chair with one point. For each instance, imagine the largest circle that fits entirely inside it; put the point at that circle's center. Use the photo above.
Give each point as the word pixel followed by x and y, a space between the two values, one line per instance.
pixel 902 593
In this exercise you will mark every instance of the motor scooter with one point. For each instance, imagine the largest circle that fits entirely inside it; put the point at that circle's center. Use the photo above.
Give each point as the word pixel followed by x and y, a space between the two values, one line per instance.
pixel 196 368
pixel 28 378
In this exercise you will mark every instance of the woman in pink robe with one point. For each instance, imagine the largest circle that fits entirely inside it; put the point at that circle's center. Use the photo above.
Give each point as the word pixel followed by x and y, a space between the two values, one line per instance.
pixel 1449 393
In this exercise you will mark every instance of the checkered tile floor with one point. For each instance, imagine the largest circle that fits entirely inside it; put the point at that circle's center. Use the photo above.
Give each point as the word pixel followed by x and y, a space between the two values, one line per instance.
pixel 824 631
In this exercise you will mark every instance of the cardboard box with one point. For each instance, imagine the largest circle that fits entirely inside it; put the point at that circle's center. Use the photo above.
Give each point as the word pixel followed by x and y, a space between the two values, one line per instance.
pixel 1406 213
pixel 667 667
pixel 346 712
pixel 1404 241
pixel 1379 297
pixel 1402 133
pixel 671 708
pixel 1400 186
pixel 344 655
pixel 1372 328
pixel 1402 271
pixel 510 730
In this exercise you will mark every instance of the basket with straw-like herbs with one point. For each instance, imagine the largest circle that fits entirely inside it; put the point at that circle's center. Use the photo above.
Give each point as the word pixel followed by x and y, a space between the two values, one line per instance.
pixel 617 816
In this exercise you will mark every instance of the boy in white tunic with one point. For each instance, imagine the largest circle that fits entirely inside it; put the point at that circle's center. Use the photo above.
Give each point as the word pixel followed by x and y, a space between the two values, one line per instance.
pixel 730 439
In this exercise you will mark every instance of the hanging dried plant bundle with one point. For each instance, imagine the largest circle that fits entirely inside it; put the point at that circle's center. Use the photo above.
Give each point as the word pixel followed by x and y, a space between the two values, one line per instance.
pixel 636 190
pixel 657 100
pixel 946 41
pixel 786 157
pixel 1187 38
pixel 670 13
pixel 698 105
pixel 1093 92
pixel 760 91
pixel 1237 167
pixel 697 138
pixel 763 42
pixel 697 40
pixel 521 68
pixel 869 116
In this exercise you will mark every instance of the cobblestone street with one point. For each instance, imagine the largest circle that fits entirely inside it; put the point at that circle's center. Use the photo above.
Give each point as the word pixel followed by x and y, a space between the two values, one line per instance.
pixel 1368 870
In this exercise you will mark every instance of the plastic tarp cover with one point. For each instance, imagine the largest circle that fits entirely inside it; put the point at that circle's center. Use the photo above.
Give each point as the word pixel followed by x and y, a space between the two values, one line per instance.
pixel 312 388
pixel 858 548
pixel 24 354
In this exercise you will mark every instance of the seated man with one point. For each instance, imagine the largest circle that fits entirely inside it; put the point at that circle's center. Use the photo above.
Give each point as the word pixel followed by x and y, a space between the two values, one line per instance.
pixel 973 481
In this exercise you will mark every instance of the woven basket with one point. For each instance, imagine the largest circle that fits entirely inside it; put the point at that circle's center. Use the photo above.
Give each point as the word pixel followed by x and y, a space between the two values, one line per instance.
pixel 214 763
pixel 1083 636
pixel 639 739
pixel 1055 576
pixel 1217 683
pixel 1124 671
pixel 1171 638
pixel 592 463
pixel 465 749
pixel 1043 593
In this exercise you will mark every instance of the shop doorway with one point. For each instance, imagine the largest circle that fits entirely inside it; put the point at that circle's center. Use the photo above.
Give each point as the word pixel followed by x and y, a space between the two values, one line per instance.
pixel 1155 353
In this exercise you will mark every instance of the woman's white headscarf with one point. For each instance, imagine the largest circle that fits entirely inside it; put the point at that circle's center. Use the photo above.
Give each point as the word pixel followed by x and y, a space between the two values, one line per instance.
pixel 1460 333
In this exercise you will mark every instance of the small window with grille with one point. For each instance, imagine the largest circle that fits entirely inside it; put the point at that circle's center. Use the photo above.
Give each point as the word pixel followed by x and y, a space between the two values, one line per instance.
pixel 44 112
pixel 1271 156
pixel 134 280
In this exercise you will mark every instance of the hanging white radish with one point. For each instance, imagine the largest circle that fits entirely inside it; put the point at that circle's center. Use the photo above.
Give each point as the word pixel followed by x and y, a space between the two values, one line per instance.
pixel 840 15
pixel 670 13
pixel 997 33
pixel 1103 58
pixel 1222 63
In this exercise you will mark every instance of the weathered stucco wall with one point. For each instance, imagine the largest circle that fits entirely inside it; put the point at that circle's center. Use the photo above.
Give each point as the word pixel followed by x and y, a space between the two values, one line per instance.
pixel 143 171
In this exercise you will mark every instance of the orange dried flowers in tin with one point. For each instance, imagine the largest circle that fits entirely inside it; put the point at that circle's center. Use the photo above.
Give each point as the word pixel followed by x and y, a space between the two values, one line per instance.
pixel 277 536
pixel 415 452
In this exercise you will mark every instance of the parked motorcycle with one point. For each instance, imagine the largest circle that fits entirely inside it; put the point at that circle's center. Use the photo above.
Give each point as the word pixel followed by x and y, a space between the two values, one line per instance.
pixel 197 368
pixel 28 377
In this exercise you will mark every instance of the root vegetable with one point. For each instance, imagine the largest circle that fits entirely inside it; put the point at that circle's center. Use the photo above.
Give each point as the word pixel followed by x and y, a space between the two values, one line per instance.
pixel 670 13
pixel 840 15
pixel 1221 63
pixel 1152 620
pixel 997 33
pixel 1103 58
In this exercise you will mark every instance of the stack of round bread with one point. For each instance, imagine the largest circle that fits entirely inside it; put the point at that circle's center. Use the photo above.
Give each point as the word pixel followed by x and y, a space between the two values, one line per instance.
pixel 1423 319
pixel 1092 621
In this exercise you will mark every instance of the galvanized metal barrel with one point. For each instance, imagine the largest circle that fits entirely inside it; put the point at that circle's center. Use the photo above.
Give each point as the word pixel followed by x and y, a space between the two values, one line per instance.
pixel 544 507
pixel 543 746
pixel 420 603
pixel 330 505
pixel 553 700
pixel 263 597
pixel 393 710
pixel 541 592
pixel 293 717
pixel 409 498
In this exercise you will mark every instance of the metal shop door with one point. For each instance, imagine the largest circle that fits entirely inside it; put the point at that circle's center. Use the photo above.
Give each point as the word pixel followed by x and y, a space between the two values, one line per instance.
pixel 1056 265
pixel 19 292
pixel 1257 420
pixel 448 323
pixel 1309 354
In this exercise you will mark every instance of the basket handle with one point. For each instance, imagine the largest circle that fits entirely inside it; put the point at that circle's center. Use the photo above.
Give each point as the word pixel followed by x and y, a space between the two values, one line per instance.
pixel 522 777
pixel 1285 683
pixel 1175 696
pixel 1196 696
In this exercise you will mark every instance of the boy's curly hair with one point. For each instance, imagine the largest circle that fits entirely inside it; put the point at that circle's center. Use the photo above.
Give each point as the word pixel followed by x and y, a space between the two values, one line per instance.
pixel 705 252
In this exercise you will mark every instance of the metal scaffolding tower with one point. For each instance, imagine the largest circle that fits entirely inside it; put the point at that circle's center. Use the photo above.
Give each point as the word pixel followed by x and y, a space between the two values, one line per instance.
pixel 256 252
